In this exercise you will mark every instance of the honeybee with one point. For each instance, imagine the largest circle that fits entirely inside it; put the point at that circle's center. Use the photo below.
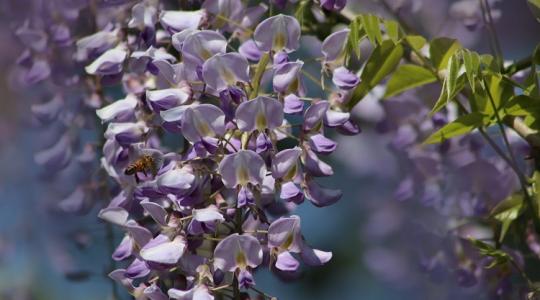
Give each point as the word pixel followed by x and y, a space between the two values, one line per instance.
pixel 149 160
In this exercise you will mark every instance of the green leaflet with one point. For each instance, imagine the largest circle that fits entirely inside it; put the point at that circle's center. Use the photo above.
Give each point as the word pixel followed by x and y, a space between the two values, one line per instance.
pixel 416 41
pixel 471 61
pixel 372 27
pixel 452 75
pixel 485 249
pixel 353 40
pixel 522 105
pixel 382 61
pixel 407 77
pixel 444 98
pixel 441 49
pixel 461 125
pixel 392 29
pixel 507 211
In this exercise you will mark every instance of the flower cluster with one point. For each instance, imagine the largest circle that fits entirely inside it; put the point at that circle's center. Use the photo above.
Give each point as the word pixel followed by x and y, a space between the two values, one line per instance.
pixel 211 213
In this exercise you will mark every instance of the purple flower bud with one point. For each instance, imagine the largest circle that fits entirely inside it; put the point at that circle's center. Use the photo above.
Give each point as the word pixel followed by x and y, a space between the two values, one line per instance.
pixel 245 197
pixel 124 250
pixel 137 269
pixel 345 79
pixel 278 33
pixel 314 166
pixel 293 104
pixel 334 5
pixel 245 279
pixel 321 144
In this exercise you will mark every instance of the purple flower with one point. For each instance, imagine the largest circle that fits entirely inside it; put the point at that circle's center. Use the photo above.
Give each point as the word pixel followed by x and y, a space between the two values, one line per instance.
pixel 109 63
pixel 161 100
pixel 293 104
pixel 198 46
pixel 345 79
pixel 237 252
pixel 285 164
pixel 333 47
pixel 118 111
pixel 222 71
pixel 176 21
pixel 321 144
pixel 198 292
pixel 260 113
pixel 278 33
pixel 286 76
pixel 224 10
pixel 202 122
pixel 333 4
pixel 241 168
pixel 164 251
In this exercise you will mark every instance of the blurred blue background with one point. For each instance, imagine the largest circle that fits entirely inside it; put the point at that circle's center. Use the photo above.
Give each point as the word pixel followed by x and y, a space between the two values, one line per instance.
pixel 371 236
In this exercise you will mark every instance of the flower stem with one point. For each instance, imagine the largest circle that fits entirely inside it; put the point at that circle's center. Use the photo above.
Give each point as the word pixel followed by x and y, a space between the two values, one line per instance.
pixel 265 59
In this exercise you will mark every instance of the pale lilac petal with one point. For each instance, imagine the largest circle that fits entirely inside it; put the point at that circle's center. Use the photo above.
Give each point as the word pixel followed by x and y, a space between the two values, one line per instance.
pixel 140 234
pixel 156 211
pixel 345 79
pixel 291 192
pixel 199 46
pixel 124 249
pixel 241 168
pixel 176 21
pixel 333 47
pixel 260 113
pixel 56 157
pixel 284 233
pixel 48 111
pixel 119 110
pixel 109 63
pixel 237 251
pixel 321 196
pixel 165 253
pixel 199 292
pixel 286 75
pixel 114 215
pixel 250 50
pixel 153 292
pixel 314 115
pixel 315 166
pixel 334 118
pixel 204 120
pixel 293 104
pixel 176 181
pixel 314 257
pixel 278 33
pixel 137 269
pixel 222 71
pixel 75 203
pixel 285 163
pixel 286 262
pixel 208 214
pixel 321 144
pixel 165 99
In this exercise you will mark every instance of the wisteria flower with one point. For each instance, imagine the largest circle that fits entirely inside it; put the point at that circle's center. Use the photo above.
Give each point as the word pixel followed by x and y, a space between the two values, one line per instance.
pixel 278 33
pixel 260 113
pixel 222 71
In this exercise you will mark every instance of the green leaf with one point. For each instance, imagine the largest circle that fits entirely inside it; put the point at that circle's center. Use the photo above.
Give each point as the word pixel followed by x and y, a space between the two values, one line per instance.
pixel 441 49
pixel 507 211
pixel 382 61
pixel 534 5
pixel 522 105
pixel 452 74
pixel 444 98
pixel 416 41
pixel 485 249
pixel 536 192
pixel 407 77
pixel 392 29
pixel 353 39
pixel 536 54
pixel 461 125
pixel 372 27
pixel 301 11
pixel 471 60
